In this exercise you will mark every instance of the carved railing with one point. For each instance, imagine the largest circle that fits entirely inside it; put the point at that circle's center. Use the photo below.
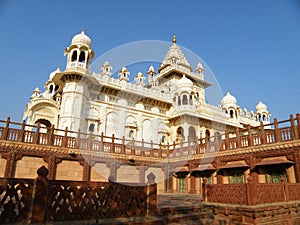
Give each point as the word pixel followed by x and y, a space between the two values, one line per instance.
pixel 15 200
pixel 251 193
pixel 268 193
pixel 241 138
pixel 70 200
pixel 230 194
pixel 29 201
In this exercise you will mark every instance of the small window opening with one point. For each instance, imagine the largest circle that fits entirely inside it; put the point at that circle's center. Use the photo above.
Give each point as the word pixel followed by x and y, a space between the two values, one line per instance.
pixel 51 89
pixel 131 132
pixel 231 113
pixel 179 100
pixel 184 100
pixel 92 127
pixel 264 118
pixel 74 56
pixel 82 57
pixel 163 139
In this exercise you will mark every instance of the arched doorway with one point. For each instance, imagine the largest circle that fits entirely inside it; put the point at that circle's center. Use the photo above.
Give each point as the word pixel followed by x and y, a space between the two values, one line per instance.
pixel 192 133
pixel 179 134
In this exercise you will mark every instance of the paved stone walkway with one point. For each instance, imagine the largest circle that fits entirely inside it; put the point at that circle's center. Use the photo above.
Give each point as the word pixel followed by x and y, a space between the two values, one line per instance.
pixel 171 200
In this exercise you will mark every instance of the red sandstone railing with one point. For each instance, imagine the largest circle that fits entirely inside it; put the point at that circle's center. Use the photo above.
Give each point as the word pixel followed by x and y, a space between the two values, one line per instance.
pixel 275 132
pixel 251 193
pixel 40 200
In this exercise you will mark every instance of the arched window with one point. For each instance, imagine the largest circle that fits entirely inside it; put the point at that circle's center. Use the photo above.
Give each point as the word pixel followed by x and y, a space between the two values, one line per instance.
pixel 163 139
pixel 82 57
pixel 231 113
pixel 184 100
pixel 259 117
pixel 131 132
pixel 218 136
pixel 180 134
pixel 207 134
pixel 51 89
pixel 56 88
pixel 179 100
pixel 192 133
pixel 191 100
pixel 264 117
pixel 74 56
pixel 92 127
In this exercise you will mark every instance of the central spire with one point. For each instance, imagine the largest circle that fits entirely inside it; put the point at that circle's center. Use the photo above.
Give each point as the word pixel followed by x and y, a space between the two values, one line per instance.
pixel 174 39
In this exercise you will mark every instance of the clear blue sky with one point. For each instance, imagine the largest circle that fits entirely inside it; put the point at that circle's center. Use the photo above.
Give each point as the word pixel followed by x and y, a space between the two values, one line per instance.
pixel 253 47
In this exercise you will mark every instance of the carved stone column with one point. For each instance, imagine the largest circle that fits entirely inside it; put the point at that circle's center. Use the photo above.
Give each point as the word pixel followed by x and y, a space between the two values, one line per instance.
pixel 11 159
pixel 113 166
pixel 52 166
pixel 87 167
pixel 168 181
pixel 142 172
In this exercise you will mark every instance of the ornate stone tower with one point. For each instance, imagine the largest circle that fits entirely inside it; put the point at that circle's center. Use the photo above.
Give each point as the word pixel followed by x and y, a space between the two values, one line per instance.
pixel 74 83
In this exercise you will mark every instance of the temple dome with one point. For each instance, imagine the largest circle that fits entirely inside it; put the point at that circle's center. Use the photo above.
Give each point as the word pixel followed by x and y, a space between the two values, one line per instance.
pixel 82 39
pixel 176 56
pixel 184 82
pixel 53 73
pixel 228 100
pixel 261 107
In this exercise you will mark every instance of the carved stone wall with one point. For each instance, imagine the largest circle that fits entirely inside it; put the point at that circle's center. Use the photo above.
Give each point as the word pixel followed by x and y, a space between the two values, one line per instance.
pixel 27 167
pixel 69 170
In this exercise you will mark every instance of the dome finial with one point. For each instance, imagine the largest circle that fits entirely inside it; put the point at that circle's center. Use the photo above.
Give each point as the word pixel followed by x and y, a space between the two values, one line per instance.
pixel 174 39
pixel 82 30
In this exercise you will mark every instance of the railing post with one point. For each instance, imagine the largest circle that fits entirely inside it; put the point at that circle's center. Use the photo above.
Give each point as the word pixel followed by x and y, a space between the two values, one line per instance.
pixel 123 145
pixel 285 189
pixel 160 151
pixel 226 140
pixel 237 138
pixel 37 134
pixel 90 141
pixel 151 195
pixel 204 190
pixel 6 129
pixel 78 141
pixel 51 136
pixel 298 124
pixel 39 197
pixel 21 132
pixel 197 146
pixel 102 142
pixel 250 191
pixel 65 138
pixel 133 147
pixel 151 150
pixel 181 147
pixel 216 142
pixel 112 147
pixel 250 140
pixel 143 149
pixel 277 131
pixel 262 133
pixel 294 132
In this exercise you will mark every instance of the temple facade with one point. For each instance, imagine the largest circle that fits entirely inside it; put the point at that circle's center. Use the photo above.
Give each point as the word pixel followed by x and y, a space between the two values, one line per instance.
pixel 96 126
pixel 165 105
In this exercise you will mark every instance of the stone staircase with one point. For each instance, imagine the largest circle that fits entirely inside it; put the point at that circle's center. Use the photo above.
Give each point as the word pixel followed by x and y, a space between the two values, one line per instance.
pixel 173 210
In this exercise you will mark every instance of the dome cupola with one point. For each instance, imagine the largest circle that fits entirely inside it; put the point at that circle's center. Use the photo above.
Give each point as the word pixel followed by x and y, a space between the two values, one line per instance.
pixel 81 39
pixel 184 81
pixel 261 107
pixel 228 100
